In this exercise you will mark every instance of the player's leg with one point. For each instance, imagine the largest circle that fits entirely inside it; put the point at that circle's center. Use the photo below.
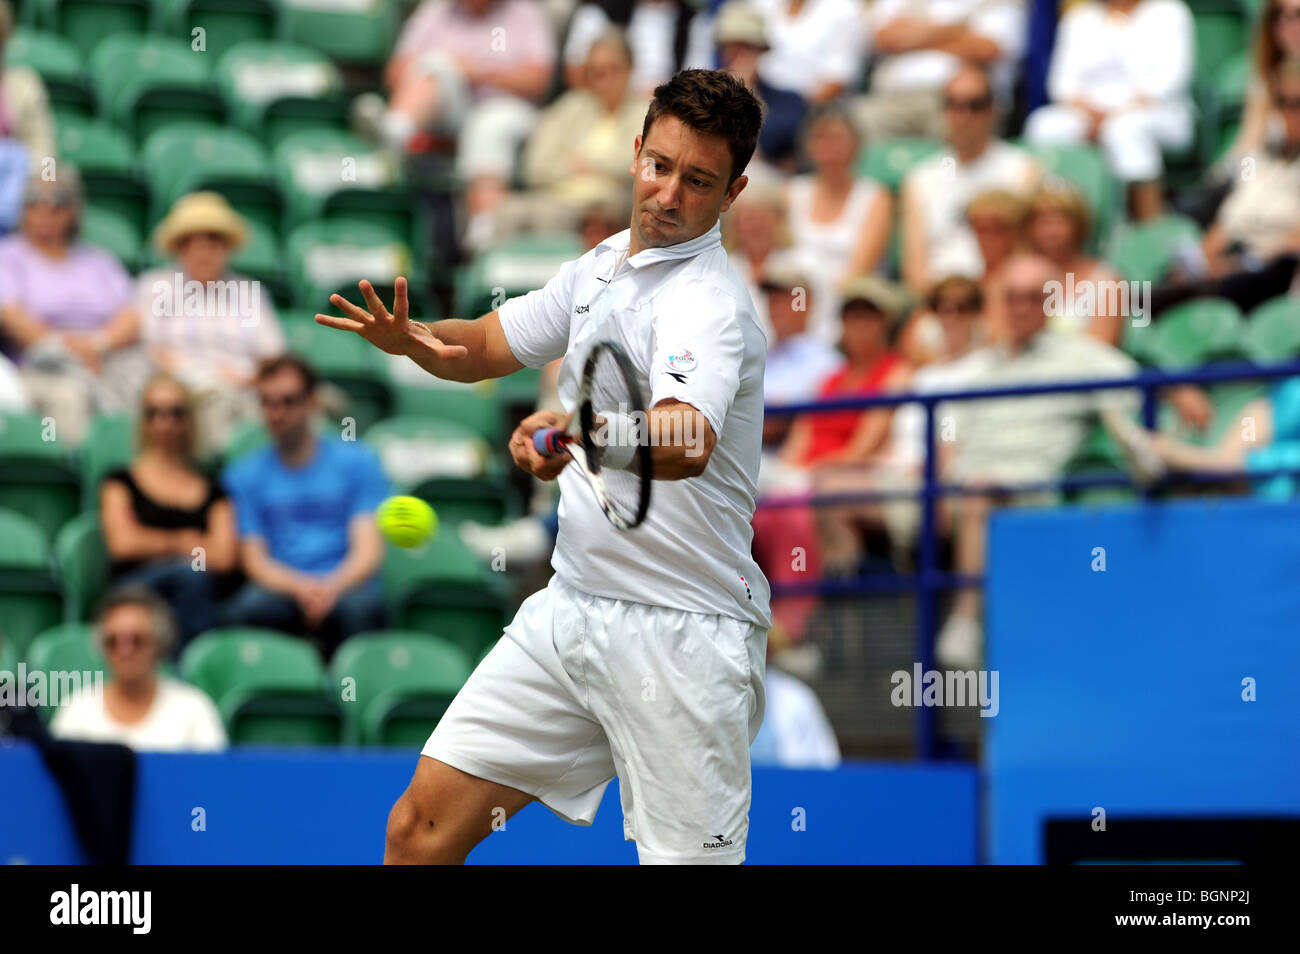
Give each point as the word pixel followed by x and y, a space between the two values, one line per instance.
pixel 444 813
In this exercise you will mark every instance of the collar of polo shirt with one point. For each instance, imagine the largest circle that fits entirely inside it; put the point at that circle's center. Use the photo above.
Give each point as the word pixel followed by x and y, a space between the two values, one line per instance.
pixel 648 256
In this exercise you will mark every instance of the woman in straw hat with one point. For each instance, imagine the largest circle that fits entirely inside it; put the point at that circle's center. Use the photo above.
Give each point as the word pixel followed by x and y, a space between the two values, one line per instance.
pixel 202 323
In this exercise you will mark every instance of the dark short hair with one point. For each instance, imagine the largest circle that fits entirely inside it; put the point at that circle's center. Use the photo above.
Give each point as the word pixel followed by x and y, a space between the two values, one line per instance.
pixel 268 367
pixel 715 103
pixel 162 619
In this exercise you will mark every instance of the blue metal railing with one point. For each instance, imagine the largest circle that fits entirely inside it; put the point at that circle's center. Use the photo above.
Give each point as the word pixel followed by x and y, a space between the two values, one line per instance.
pixel 928 582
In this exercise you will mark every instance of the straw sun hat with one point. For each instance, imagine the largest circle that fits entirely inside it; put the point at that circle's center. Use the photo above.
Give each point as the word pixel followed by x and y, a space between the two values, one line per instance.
pixel 200 212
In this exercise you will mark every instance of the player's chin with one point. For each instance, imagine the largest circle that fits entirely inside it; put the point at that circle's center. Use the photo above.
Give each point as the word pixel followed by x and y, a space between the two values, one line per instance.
pixel 658 227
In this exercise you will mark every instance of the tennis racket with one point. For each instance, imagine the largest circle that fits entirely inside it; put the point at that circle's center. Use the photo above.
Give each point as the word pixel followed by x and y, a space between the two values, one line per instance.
pixel 605 438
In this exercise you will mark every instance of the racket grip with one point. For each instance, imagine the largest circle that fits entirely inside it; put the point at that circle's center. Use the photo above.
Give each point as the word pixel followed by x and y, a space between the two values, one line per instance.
pixel 549 441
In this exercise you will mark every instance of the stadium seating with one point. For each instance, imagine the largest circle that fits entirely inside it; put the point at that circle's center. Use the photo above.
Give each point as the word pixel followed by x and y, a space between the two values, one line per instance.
pixel 115 234
pixel 511 268
pixel 1273 330
pixel 37 475
pixel 62 650
pixel 58 62
pixel 29 593
pixel 82 564
pixel 888 162
pixel 401 683
pixel 473 406
pixel 273 89
pixel 107 446
pixel 344 360
pixel 1144 251
pixel 106 158
pixel 269 687
pixel 184 157
pixel 225 23
pixel 1196 333
pixel 86 22
pixel 144 82
pixel 362 32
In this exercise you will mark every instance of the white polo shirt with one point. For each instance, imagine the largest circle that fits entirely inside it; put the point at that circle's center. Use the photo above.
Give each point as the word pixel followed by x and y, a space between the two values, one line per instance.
pixel 688 325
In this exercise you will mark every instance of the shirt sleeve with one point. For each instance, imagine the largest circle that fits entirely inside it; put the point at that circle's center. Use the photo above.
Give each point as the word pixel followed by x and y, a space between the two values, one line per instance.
pixel 372 486
pixel 699 348
pixel 536 325
pixel 1168 75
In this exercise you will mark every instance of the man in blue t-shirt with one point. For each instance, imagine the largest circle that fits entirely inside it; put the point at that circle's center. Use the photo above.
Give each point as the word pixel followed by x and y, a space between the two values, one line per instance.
pixel 304 508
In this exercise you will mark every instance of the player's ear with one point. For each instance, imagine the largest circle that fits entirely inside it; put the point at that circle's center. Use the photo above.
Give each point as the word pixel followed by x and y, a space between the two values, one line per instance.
pixel 636 154
pixel 734 190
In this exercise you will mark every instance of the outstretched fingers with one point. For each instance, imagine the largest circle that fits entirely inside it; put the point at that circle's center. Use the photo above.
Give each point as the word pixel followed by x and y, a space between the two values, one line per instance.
pixel 372 301
pixel 357 314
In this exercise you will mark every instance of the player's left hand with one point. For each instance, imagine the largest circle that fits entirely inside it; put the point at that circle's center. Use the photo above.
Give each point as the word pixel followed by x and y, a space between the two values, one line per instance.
pixel 525 454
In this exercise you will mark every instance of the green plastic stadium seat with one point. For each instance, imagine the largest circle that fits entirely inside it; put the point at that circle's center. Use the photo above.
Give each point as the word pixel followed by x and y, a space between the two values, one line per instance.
pixel 59 64
pixel 1222 30
pixel 473 406
pixel 486 500
pixel 262 258
pixel 29 593
pixel 8 657
pixel 38 476
pixel 416 448
pixel 106 158
pixel 442 588
pixel 85 22
pixel 270 688
pixel 1273 330
pixel 82 565
pixel 347 361
pixel 888 162
pixel 145 82
pixel 189 156
pixel 511 268
pixel 1197 332
pixel 113 233
pixel 325 257
pixel 225 23
pixel 273 89
pixel 313 164
pixel 403 683
pixel 69 652
pixel 1144 251
pixel 107 446
pixel 360 32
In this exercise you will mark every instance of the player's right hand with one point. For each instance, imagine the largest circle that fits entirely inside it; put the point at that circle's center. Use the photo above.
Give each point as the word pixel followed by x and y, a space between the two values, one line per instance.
pixel 525 454
pixel 395 333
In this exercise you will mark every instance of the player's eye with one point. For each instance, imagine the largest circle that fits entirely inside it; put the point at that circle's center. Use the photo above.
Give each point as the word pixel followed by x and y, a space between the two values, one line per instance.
pixel 699 183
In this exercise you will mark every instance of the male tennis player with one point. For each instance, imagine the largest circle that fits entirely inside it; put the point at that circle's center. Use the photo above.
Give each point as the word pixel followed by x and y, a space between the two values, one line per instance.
pixel 644 656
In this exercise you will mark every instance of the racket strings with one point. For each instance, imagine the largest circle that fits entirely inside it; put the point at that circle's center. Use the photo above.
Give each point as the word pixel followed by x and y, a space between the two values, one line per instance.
pixel 620 422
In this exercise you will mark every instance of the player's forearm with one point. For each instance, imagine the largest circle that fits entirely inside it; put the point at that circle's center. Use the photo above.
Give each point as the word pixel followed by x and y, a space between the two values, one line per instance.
pixel 456 331
pixel 681 442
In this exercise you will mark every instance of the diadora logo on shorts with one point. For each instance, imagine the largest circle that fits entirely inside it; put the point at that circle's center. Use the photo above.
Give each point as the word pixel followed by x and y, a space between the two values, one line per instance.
pixel 582 309
pixel 722 842
pixel 681 362
pixel 748 594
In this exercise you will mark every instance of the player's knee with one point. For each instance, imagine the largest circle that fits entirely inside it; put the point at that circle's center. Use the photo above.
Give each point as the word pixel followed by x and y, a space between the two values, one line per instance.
pixel 416 836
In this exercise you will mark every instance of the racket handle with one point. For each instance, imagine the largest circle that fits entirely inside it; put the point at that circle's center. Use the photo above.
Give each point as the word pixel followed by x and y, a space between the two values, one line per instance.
pixel 549 441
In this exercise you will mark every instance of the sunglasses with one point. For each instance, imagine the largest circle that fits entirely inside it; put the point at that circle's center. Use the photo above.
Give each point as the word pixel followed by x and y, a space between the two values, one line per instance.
pixel 134 640
pixel 1286 13
pixel 1287 102
pixel 960 308
pixel 289 400
pixel 977 105
pixel 175 411
pixel 1029 296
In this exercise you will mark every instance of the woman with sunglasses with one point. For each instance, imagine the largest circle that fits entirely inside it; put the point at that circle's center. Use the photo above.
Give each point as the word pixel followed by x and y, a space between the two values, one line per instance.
pixel 1278 39
pixel 139 706
pixel 166 525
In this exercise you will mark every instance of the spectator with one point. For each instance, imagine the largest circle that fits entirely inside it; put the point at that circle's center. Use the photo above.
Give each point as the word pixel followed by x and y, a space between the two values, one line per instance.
pixel 997 219
pixel 13 393
pixel 26 128
pixel 140 707
pixel 473 69
pixel 1252 249
pixel 795 731
pixel 840 221
pixel 1012 442
pixel 66 310
pixel 1278 40
pixel 603 216
pixel 818 46
pixel 166 525
pixel 209 337
pixel 741 36
pixel 1057 228
pixel 797 362
pixel 665 36
pixel 304 509
pixel 580 148
pixel 921 46
pixel 937 241
pixel 1120 77
pixel 754 231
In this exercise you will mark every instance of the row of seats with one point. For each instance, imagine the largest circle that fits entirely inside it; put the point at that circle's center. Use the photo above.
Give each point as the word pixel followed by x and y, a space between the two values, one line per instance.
pixel 439 588
pixel 382 688
pixel 360 32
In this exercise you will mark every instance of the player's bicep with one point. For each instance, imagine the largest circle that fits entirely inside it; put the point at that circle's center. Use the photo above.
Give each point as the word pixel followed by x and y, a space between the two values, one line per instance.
pixel 536 326
pixel 496 349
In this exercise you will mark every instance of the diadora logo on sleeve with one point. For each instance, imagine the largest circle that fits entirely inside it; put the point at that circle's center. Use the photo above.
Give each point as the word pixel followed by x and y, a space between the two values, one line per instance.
pixel 685 361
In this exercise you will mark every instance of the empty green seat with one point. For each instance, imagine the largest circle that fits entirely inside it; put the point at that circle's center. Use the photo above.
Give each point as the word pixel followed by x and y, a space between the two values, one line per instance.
pixel 890 161
pixel 1198 332
pixel 509 269
pixel 58 62
pixel 70 659
pixel 473 406
pixel 415 448
pixel 29 593
pixel 86 22
pixel 187 157
pixel 114 233
pixel 1273 330
pixel 38 477
pixel 82 565
pixel 108 445
pixel 270 688
pixel 273 88
pixel 145 82
pixel 396 685
pixel 1144 251
pixel 261 257
pixel 361 32
pixel 487 500
pixel 106 158
pixel 325 257
pixel 313 164
pixel 225 23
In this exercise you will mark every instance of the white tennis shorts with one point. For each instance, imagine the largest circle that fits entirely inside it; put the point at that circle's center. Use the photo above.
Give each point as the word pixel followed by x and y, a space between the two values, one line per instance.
pixel 585 688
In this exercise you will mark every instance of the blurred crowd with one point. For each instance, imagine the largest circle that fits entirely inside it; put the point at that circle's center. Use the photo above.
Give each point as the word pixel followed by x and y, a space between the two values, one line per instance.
pixel 871 275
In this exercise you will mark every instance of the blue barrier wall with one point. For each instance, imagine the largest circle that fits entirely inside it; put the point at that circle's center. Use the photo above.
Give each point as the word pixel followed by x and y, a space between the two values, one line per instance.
pixel 1123 689
pixel 277 807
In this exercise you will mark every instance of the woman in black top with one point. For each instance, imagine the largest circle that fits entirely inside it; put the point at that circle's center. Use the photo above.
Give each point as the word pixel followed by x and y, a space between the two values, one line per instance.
pixel 165 524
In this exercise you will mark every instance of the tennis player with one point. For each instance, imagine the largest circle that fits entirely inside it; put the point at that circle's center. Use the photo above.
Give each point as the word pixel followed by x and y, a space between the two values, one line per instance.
pixel 644 655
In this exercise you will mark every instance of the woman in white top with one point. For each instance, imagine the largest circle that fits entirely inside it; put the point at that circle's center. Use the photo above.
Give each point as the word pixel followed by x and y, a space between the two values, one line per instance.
pixel 839 223
pixel 139 707
pixel 1120 77
pixel 1278 39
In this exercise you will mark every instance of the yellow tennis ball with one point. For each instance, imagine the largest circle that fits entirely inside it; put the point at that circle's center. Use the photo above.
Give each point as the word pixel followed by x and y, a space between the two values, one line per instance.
pixel 406 521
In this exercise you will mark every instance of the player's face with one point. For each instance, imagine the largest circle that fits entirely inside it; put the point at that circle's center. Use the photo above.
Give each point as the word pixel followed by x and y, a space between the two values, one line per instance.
pixel 679 184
